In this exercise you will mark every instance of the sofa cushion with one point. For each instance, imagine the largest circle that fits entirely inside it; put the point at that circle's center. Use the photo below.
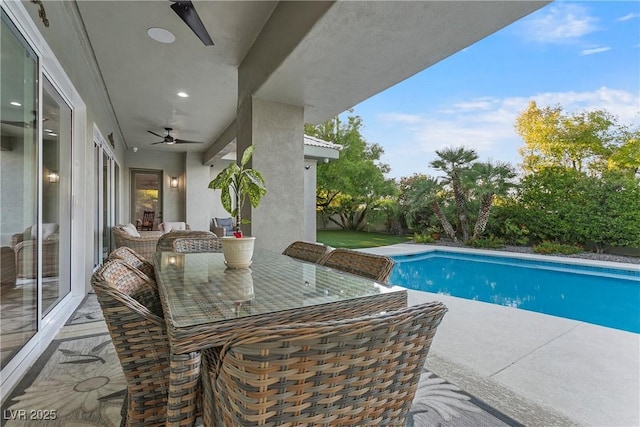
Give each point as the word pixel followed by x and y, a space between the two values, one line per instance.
pixel 226 223
pixel 169 226
pixel 131 230
pixel 47 230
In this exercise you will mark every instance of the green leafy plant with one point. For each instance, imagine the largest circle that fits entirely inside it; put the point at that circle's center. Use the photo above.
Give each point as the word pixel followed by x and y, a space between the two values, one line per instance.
pixel 491 242
pixel 515 234
pixel 237 184
pixel 548 247
pixel 423 238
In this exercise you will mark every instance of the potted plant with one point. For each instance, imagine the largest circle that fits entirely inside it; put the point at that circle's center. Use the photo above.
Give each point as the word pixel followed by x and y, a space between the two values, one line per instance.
pixel 237 184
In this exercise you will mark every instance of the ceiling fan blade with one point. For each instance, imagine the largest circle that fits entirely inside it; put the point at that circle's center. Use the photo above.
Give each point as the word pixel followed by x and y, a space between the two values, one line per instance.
pixel 153 133
pixel 188 14
pixel 184 141
pixel 159 142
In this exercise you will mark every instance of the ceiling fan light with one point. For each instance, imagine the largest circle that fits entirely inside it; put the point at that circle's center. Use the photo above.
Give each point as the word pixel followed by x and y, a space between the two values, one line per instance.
pixel 161 35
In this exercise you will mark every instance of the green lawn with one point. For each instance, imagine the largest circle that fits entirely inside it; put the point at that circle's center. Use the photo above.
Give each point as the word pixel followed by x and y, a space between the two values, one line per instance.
pixel 358 239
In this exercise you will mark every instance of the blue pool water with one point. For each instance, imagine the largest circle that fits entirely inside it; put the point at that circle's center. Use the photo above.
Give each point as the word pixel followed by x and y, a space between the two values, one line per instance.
pixel 603 296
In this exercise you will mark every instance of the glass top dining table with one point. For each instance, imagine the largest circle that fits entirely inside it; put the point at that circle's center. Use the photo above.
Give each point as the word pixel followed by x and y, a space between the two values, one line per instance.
pixel 205 303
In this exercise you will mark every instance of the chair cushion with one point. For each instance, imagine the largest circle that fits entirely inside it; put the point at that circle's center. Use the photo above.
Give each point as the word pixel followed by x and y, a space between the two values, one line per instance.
pixel 47 230
pixel 169 226
pixel 131 230
pixel 226 223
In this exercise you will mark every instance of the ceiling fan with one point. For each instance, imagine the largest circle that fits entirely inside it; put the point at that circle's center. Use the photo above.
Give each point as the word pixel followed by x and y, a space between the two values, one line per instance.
pixel 187 12
pixel 170 140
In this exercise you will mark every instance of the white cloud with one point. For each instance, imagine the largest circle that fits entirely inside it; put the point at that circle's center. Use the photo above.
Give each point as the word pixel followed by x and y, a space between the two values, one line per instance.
pixel 560 23
pixel 400 117
pixel 489 131
pixel 628 17
pixel 594 50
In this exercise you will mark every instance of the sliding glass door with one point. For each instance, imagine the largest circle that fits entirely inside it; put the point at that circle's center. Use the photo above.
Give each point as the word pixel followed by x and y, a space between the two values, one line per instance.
pixel 35 194
pixel 18 192
pixel 56 197
pixel 107 199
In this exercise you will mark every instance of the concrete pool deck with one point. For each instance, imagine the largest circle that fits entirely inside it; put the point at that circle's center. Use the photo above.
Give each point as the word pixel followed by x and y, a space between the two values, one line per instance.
pixel 540 370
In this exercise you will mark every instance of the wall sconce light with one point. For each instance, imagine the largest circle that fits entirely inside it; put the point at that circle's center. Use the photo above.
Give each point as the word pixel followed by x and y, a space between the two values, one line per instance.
pixel 174 182
pixel 54 177
pixel 172 260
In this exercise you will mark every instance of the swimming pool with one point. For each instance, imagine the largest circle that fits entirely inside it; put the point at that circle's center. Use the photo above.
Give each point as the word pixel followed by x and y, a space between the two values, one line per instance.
pixel 603 296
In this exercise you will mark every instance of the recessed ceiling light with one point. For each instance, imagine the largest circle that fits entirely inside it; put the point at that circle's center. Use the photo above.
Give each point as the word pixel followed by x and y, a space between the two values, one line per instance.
pixel 161 35
pixel 53 134
pixel 183 94
pixel 15 104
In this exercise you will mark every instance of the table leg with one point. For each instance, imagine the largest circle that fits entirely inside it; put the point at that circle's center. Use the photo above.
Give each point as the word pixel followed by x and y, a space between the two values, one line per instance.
pixel 183 403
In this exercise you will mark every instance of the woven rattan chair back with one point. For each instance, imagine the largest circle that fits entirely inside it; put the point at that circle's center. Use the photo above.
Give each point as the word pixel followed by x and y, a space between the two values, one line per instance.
pixel 376 267
pixel 165 243
pixel 135 260
pixel 206 244
pixel 360 371
pixel 133 315
pixel 307 251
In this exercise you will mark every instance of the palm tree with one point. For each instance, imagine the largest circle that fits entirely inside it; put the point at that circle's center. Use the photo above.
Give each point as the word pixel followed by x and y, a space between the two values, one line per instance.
pixel 487 180
pixel 454 162
pixel 425 191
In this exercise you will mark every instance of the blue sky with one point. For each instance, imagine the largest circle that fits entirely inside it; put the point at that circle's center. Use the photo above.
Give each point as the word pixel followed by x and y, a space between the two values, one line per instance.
pixel 579 55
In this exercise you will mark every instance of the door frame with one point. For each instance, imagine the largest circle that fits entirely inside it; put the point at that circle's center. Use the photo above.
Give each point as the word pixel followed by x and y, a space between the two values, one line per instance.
pixel 132 192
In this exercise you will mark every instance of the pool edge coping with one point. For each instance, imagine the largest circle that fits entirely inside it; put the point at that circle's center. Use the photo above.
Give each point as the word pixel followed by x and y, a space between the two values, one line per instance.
pixel 496 253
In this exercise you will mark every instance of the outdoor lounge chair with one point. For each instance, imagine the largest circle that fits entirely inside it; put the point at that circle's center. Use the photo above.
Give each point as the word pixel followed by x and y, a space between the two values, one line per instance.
pixel 376 267
pixel 143 242
pixel 360 371
pixel 307 251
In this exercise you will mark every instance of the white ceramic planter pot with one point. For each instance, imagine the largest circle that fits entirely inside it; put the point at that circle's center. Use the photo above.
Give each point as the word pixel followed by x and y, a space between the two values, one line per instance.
pixel 237 251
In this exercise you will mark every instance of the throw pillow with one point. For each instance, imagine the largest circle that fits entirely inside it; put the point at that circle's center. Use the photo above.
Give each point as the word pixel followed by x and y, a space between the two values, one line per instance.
pixel 169 226
pixel 47 230
pixel 130 229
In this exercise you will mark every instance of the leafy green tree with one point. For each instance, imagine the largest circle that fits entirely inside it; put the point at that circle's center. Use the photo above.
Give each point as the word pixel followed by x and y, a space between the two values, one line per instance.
pixel 486 180
pixel 420 196
pixel 349 187
pixel 454 162
pixel 586 141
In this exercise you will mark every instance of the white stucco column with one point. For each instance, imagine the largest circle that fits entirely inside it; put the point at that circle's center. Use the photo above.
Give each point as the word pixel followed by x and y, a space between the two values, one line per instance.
pixel 277 132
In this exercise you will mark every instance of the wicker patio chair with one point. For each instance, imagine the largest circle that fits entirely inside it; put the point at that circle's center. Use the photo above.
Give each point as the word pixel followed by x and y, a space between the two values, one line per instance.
pixel 205 244
pixel 376 267
pixel 133 314
pixel 134 259
pixel 144 244
pixel 165 243
pixel 307 251
pixel 360 371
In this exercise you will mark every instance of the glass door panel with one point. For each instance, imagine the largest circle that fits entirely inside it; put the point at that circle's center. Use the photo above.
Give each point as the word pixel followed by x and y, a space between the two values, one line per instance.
pixel 18 192
pixel 106 229
pixel 146 193
pixel 56 197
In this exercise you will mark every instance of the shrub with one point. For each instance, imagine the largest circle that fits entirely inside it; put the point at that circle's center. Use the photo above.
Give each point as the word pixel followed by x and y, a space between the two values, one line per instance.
pixel 547 247
pixel 491 242
pixel 514 233
pixel 423 238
